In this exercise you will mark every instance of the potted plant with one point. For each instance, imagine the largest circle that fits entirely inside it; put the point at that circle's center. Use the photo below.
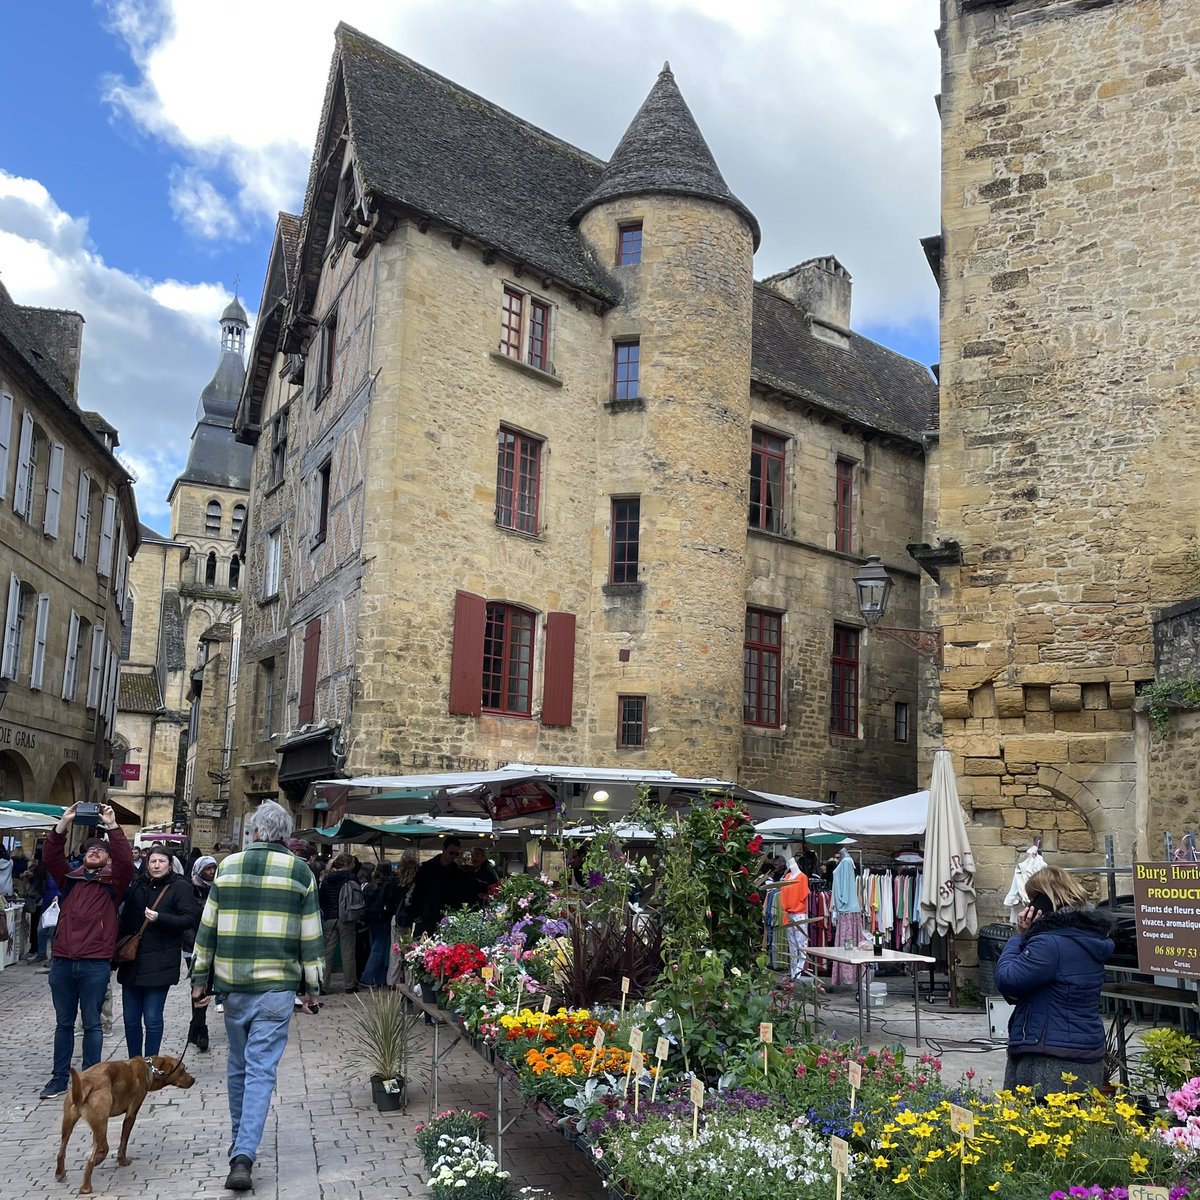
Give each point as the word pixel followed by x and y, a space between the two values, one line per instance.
pixel 380 1030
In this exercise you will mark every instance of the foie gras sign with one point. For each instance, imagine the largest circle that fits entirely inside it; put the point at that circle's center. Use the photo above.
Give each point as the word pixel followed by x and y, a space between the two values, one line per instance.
pixel 1166 900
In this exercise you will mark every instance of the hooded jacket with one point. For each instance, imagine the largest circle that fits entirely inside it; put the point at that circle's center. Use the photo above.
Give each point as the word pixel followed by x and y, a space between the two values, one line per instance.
pixel 1053 975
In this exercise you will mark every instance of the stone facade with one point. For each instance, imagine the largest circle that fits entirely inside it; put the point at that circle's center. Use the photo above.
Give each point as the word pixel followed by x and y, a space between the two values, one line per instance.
pixel 68 524
pixel 388 515
pixel 1066 469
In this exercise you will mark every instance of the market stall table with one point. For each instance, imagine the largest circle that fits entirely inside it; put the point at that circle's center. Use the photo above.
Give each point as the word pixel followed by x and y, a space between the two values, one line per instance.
pixel 860 960
pixel 441 1019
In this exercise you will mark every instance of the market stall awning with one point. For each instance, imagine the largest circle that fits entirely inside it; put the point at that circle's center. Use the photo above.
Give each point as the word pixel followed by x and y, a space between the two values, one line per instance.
pixel 13 821
pixel 905 816
pixel 800 828
pixel 125 816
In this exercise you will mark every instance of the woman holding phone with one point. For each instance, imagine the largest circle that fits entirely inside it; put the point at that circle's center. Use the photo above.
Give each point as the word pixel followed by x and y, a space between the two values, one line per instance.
pixel 1052 971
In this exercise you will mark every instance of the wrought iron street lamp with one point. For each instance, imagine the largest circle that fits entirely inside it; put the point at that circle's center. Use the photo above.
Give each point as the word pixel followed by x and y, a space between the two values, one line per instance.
pixel 874 587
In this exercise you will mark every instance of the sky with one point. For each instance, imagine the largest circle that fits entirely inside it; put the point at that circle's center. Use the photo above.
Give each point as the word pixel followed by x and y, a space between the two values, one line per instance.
pixel 148 145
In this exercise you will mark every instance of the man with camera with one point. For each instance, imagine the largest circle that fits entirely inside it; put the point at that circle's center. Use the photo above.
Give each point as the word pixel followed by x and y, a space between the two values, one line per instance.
pixel 86 936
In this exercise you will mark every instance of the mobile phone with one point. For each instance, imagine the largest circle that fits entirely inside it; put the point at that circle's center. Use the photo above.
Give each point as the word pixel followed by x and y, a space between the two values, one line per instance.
pixel 1042 903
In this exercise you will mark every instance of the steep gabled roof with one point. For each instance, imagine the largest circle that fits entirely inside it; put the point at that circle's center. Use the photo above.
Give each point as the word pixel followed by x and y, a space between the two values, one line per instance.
pixel 663 150
pixel 865 382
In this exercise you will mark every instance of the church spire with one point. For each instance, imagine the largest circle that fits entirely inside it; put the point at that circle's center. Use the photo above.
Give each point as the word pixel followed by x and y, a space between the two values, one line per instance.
pixel 233 326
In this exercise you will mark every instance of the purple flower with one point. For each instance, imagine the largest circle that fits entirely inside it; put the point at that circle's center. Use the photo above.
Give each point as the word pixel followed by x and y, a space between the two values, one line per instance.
pixel 594 879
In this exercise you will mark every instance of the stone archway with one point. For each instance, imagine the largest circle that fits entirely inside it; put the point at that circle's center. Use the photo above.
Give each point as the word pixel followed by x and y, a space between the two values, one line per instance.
pixel 16 779
pixel 68 786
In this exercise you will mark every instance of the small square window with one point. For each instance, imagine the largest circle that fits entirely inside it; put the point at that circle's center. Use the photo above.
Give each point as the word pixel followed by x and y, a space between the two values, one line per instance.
pixel 629 244
pixel 631 722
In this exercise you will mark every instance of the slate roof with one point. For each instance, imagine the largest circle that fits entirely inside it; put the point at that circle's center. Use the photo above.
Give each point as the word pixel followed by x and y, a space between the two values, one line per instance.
pixel 865 383
pixel 139 692
pixel 436 148
pixel 173 648
pixel 663 150
pixel 235 312
pixel 289 236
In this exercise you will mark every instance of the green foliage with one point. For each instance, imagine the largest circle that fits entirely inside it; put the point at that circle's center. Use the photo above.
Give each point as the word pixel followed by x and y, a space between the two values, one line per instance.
pixel 450 1124
pixel 1163 695
pixel 1168 1059
pixel 472 926
pixel 533 889
pixel 380 1030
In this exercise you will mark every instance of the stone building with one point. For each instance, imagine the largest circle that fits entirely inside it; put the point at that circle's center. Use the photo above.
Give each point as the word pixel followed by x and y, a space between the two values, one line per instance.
pixel 183 592
pixel 1062 509
pixel 68 526
pixel 542 474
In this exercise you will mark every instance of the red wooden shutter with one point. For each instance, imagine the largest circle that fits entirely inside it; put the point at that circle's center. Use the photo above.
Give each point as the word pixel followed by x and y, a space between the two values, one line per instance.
pixel 308 672
pixel 558 684
pixel 466 659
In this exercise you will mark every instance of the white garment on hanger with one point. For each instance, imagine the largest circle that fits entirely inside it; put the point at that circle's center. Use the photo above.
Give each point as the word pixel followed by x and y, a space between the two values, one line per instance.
pixel 1017 898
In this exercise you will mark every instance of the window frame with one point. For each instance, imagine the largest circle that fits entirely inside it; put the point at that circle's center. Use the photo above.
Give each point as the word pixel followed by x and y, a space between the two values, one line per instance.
pixel 765 454
pixel 279 446
pixel 272 563
pixel 843 505
pixel 622 378
pixel 758 651
pixel 526 328
pixel 328 350
pixel 266 680
pixel 844 681
pixel 624 723
pixel 627 257
pixel 901 722
pixel 511 458
pixel 623 570
pixel 502 673
pixel 324 481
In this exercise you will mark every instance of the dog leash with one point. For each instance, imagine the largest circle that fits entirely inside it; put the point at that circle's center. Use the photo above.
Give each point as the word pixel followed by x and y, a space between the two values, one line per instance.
pixel 155 1071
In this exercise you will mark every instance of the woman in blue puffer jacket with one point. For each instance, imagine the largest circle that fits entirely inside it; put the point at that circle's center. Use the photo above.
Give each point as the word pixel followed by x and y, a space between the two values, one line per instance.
pixel 1053 972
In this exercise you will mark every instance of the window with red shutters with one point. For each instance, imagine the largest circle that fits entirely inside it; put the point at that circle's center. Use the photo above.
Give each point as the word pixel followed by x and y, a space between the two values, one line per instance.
pixel 843 517
pixel 629 244
pixel 508 660
pixel 762 652
pixel 466 657
pixel 558 676
pixel 512 323
pixel 518 480
pixel 843 713
pixel 626 369
pixel 631 722
pixel 768 458
pixel 626 534
pixel 308 671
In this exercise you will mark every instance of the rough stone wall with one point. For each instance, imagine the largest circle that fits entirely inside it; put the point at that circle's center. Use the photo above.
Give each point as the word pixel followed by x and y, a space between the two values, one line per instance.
pixel 1069 366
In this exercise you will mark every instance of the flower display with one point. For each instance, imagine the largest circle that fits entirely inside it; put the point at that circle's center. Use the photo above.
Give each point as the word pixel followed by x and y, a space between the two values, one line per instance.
pixel 467 1170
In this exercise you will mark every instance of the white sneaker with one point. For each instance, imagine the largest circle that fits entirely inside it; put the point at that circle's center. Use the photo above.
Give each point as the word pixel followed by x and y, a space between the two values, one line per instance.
pixel 220 1008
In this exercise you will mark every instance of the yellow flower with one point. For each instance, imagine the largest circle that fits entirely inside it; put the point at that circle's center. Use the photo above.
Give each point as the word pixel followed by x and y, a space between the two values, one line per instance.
pixel 1009 1114
pixel 1068 1077
pixel 907 1117
pixel 1007 1168
pixel 969 1160
pixel 1040 1138
pixel 858 1129
pixel 923 1130
pixel 1138 1163
pixel 879 1162
pixel 887 1144
pixel 903 1177
pixel 1126 1110
pixel 994 1187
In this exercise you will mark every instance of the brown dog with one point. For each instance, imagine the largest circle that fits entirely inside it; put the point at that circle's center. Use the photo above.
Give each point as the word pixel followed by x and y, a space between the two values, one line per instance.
pixel 107 1090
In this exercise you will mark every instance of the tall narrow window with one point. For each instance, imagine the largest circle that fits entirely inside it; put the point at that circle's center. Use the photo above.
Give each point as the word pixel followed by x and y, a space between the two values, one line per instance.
pixel 631 722
pixel 40 630
pixel 843 538
pixel 212 518
pixel 127 628
pixel 76 638
pixel 271 565
pixel 508 660
pixel 210 569
pixel 900 726
pixel 629 244
pixel 308 671
pixel 10 660
pixel 54 483
pixel 761 661
pixel 518 481
pixel 321 502
pixel 279 443
pixel 768 457
pixel 328 350
pixel 239 519
pixel 120 756
pixel 626 532
pixel 235 573
pixel 539 334
pixel 512 320
pixel 843 713
pixel 83 509
pixel 23 494
pixel 6 415
pixel 626 363
pixel 266 695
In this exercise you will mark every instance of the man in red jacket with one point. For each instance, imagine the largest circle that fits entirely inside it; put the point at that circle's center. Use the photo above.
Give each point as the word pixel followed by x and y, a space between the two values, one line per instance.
pixel 85 939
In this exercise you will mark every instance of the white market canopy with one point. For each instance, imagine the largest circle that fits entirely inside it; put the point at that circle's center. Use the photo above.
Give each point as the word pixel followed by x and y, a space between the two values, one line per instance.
pixel 905 816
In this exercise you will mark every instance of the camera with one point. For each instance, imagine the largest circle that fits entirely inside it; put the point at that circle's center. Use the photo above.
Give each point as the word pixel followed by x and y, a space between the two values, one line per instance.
pixel 87 814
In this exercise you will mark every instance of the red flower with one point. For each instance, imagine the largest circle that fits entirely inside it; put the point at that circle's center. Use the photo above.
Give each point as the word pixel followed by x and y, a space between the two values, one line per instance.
pixel 755 898
pixel 744 870
pixel 755 844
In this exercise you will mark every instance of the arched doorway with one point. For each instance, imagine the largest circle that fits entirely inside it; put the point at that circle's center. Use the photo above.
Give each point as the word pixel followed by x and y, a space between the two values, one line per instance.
pixel 68 786
pixel 16 779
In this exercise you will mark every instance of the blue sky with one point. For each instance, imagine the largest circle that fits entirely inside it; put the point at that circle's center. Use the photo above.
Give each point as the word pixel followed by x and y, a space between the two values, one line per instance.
pixel 147 150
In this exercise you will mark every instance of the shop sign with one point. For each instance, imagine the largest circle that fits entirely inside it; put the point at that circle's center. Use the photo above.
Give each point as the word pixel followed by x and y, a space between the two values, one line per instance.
pixel 18 739
pixel 131 772
pixel 206 808
pixel 1166 909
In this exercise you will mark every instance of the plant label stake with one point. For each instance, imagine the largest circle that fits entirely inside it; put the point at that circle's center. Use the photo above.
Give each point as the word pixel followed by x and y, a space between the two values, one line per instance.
pixel 487 974
pixel 597 1044
pixel 545 1010
pixel 766 1035
pixel 635 1038
pixel 962 1122
pixel 661 1050
pixel 1141 1191
pixel 636 1065
pixel 696 1095
pixel 854 1070
pixel 517 1006
pixel 839 1154
pixel 624 992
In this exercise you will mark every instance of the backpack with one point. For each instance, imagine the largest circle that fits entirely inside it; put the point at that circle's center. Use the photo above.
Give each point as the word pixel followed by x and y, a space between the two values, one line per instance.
pixel 376 904
pixel 351 902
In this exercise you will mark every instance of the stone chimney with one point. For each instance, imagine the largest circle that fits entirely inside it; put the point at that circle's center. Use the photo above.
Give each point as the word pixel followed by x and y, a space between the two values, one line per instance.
pixel 60 333
pixel 821 288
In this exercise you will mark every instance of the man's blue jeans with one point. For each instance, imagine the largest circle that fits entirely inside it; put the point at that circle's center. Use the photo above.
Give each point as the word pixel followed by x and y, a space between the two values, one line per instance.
pixel 256 1026
pixel 143 1004
pixel 77 985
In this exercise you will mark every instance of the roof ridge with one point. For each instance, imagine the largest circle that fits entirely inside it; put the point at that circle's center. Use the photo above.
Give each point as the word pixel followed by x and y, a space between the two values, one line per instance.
pixel 450 84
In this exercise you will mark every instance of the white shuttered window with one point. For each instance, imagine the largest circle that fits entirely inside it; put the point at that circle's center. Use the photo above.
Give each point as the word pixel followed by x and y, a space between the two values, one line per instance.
pixel 82 504
pixel 108 519
pixel 96 674
pixel 12 628
pixel 54 478
pixel 6 411
pixel 71 665
pixel 21 497
pixel 41 624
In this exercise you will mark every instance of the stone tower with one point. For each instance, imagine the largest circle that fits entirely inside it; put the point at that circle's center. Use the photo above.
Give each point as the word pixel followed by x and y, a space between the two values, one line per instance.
pixel 1070 366
pixel 682 443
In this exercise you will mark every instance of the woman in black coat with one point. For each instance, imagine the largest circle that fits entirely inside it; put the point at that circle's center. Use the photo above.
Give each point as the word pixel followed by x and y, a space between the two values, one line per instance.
pixel 146 981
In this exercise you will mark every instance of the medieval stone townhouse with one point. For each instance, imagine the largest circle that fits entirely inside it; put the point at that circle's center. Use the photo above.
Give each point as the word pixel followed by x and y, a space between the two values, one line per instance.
pixel 543 474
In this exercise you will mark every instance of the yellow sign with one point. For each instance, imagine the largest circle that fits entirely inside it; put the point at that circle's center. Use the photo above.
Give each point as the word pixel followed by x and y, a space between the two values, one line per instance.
pixel 1142 1191
pixel 488 973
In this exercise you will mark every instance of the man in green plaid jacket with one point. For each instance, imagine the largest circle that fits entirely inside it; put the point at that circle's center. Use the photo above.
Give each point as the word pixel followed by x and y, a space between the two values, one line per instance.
pixel 259 937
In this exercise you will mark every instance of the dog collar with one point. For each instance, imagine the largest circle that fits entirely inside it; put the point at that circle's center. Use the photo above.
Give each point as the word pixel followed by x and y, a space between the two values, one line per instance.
pixel 154 1071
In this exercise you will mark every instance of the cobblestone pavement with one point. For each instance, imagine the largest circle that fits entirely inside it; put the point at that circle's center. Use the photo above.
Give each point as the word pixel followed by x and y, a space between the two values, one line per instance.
pixel 324 1139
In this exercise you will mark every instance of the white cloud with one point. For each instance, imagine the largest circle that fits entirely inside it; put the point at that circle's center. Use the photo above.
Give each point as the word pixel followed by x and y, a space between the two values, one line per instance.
pixel 200 208
pixel 820 114
pixel 148 347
